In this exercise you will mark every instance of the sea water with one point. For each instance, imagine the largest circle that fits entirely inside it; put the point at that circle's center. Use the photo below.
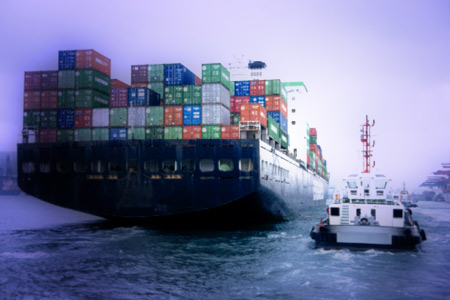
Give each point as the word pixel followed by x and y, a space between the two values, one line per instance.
pixel 48 252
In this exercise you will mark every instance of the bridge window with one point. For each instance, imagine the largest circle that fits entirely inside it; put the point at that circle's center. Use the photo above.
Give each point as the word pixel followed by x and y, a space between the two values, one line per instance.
pixel 398 213
pixel 206 165
pixel 97 166
pixel 188 165
pixel 115 166
pixel 28 167
pixel 246 165
pixel 79 167
pixel 169 166
pixel 226 165
pixel 44 167
pixel 151 166
pixel 62 166
pixel 334 211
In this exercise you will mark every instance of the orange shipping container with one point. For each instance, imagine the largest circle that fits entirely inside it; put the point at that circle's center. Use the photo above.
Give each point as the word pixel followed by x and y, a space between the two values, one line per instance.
pixel 254 112
pixel 192 132
pixel 229 132
pixel 275 103
pixel 116 83
pixel 173 115
pixel 91 59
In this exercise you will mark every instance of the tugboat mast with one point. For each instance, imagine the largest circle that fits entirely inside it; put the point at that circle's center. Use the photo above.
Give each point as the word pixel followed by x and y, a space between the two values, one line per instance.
pixel 365 139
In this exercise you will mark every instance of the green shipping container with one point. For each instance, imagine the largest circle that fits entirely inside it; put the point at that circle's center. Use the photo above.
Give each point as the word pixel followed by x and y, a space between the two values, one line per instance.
pixel 273 128
pixel 155 73
pixel 90 98
pixel 215 73
pixel 100 134
pixel 211 132
pixel 48 118
pixel 83 135
pixel 66 79
pixel 118 117
pixel 154 116
pixel 173 133
pixel 173 95
pixel 65 135
pixel 157 87
pixel 313 139
pixel 154 133
pixel 136 133
pixel 66 98
pixel 232 88
pixel 235 118
pixel 92 79
pixel 192 94
pixel 275 87
pixel 31 118
pixel 284 139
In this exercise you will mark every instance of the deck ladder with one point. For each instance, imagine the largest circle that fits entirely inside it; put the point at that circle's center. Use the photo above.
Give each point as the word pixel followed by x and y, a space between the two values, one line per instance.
pixel 345 215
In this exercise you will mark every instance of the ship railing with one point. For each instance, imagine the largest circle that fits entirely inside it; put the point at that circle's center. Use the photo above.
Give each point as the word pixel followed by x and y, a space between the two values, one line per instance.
pixel 30 135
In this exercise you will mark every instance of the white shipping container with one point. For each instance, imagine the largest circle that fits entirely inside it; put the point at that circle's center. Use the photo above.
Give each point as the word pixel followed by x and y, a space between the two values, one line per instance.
pixel 215 93
pixel 215 114
pixel 136 116
pixel 100 117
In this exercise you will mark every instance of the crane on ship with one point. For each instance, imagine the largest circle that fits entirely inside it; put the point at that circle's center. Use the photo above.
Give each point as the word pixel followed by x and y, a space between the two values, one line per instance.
pixel 366 140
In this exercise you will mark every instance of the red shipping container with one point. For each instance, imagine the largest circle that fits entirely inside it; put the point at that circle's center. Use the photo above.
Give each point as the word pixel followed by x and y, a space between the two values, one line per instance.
pixel 32 81
pixel 236 102
pixel 254 112
pixel 47 135
pixel 116 83
pixel 197 80
pixel 32 100
pixel 49 80
pixel 173 115
pixel 49 99
pixel 257 87
pixel 83 118
pixel 229 132
pixel 91 59
pixel 139 84
pixel 192 132
pixel 118 97
pixel 312 131
pixel 139 74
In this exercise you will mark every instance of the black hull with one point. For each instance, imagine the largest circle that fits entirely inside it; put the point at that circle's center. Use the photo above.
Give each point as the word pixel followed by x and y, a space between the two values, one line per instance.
pixel 132 190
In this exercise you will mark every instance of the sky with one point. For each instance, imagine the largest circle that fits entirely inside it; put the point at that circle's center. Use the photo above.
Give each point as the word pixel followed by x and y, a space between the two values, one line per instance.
pixel 386 59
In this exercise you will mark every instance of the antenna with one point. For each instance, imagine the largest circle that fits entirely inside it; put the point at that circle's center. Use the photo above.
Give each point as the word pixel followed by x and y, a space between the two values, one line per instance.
pixel 365 139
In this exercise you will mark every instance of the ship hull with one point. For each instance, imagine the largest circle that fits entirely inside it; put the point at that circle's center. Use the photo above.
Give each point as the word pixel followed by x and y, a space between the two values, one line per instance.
pixel 129 180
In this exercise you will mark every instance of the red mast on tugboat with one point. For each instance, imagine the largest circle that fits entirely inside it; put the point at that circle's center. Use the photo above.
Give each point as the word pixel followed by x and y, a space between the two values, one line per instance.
pixel 365 139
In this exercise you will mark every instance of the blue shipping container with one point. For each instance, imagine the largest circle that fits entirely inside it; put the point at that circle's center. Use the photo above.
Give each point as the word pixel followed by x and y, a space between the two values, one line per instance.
pixel 192 115
pixel 280 119
pixel 258 99
pixel 66 60
pixel 66 118
pixel 143 97
pixel 177 74
pixel 117 134
pixel 242 88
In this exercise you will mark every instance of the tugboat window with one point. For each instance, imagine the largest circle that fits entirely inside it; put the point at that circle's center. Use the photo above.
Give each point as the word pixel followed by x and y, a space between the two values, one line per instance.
pixel 115 166
pixel 226 165
pixel 169 166
pixel 206 165
pixel 62 167
pixel 246 165
pixel 352 184
pixel 398 213
pixel 151 166
pixel 373 213
pixel 28 167
pixel 79 166
pixel 44 167
pixel 188 165
pixel 334 211
pixel 97 166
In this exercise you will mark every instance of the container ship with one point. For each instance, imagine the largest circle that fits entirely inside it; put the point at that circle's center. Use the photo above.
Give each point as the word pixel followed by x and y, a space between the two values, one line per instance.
pixel 170 148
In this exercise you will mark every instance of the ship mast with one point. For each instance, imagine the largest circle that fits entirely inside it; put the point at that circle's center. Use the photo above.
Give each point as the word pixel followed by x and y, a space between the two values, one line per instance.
pixel 366 140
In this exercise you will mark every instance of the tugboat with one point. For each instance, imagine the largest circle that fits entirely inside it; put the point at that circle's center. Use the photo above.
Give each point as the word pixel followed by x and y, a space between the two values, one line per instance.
pixel 405 198
pixel 366 215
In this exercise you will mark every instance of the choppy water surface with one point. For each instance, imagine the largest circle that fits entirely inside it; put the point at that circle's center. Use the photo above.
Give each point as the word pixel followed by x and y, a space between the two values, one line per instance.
pixel 92 259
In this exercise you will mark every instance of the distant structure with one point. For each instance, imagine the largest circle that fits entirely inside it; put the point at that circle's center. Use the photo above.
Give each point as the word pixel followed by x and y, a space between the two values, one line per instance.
pixel 439 184
pixel 245 69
